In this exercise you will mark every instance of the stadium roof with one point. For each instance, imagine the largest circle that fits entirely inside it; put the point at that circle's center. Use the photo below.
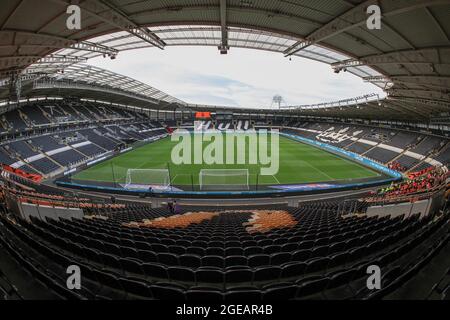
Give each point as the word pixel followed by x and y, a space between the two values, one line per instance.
pixel 409 57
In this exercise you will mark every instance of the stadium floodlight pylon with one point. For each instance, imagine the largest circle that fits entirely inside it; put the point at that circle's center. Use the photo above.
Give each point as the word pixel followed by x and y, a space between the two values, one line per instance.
pixel 144 179
pixel 224 180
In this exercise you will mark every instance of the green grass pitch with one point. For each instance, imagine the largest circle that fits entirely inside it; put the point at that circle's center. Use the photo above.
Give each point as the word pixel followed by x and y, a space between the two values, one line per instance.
pixel 299 163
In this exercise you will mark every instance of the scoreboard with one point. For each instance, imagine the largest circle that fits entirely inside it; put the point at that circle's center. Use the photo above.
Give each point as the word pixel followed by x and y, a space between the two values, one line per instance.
pixel 200 119
pixel 203 115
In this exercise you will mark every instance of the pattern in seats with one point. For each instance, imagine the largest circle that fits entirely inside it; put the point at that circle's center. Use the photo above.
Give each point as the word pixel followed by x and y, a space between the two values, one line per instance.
pixel 176 221
pixel 260 221
pixel 323 255
pixel 267 220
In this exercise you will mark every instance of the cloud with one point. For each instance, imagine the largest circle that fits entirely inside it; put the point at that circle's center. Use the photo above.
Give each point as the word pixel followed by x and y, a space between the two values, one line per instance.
pixel 246 78
pixel 211 99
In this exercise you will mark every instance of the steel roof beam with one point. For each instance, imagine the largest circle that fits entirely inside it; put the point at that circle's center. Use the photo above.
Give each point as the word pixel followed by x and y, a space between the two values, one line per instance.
pixel 420 56
pixel 31 39
pixel 23 78
pixel 423 80
pixel 357 17
pixel 422 101
pixel 86 74
pixel 114 16
pixel 10 62
pixel 94 47
pixel 224 47
pixel 426 81
pixel 409 108
pixel 420 93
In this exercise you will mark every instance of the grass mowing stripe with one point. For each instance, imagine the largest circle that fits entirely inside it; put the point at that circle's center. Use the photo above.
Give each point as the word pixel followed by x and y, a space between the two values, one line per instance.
pixel 296 161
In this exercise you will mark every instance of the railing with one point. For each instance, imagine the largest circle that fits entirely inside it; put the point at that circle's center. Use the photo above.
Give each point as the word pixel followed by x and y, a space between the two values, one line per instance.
pixel 412 197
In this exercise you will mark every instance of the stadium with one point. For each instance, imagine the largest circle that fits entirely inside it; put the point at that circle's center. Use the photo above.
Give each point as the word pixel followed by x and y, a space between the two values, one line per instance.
pixel 112 189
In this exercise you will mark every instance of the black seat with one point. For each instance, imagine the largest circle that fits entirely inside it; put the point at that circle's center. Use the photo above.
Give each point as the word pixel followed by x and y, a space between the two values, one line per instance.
pixel 111 261
pixel 317 265
pixel 301 255
pixel 238 276
pixel 204 294
pixel 159 248
pixel 92 255
pixel 129 252
pixel 264 242
pixel 320 242
pixel 205 275
pixel 131 266
pixel 167 291
pixel 289 247
pixel 112 249
pixel 319 252
pixel 213 261
pixel 235 261
pixel 147 256
pixel 306 244
pixel 127 242
pixel 280 258
pixel 249 243
pixel 155 270
pixel 312 287
pixel 181 274
pixel 195 251
pixel 337 260
pixel 259 260
pixel 109 280
pixel 356 253
pixel 168 259
pixel 216 243
pixel 136 287
pixel 190 260
pixel 243 295
pixel 253 251
pixel 175 249
pixel 293 269
pixel 272 249
pixel 199 243
pixel 215 251
pixel 143 245
pixel 234 251
pixel 338 287
pixel 336 248
pixel 281 293
pixel 267 273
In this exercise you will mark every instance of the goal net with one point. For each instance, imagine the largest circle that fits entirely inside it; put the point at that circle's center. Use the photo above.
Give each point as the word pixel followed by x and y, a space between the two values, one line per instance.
pixel 144 179
pixel 224 180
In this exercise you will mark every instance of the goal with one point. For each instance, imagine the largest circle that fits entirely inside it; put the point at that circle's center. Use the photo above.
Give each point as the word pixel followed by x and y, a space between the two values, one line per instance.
pixel 144 179
pixel 224 180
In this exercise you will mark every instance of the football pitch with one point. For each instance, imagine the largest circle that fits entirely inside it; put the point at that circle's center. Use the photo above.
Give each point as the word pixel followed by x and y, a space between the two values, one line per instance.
pixel 298 164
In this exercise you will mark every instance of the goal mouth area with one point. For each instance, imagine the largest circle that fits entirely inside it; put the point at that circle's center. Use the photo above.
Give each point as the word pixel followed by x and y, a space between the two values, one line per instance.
pixel 147 179
pixel 224 180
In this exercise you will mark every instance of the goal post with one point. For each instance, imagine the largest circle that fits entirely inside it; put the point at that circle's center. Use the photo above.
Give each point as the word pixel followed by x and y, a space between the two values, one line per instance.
pixel 224 180
pixel 144 179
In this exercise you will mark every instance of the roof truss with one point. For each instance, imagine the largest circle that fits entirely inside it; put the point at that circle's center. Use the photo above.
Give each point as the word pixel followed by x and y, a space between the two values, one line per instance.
pixel 356 17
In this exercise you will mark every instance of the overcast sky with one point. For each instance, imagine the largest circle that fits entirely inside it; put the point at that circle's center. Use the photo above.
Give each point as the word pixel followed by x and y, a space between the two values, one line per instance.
pixel 243 78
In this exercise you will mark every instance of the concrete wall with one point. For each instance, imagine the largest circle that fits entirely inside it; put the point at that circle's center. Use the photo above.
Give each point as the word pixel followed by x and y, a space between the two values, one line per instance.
pixel 395 210
pixel 42 212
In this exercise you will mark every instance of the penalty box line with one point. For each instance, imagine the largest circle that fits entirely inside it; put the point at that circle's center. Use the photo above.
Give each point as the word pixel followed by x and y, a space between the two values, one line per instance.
pixel 273 177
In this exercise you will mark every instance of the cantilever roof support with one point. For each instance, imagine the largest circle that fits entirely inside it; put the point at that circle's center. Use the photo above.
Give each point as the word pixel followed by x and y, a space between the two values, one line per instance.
pixel 224 47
